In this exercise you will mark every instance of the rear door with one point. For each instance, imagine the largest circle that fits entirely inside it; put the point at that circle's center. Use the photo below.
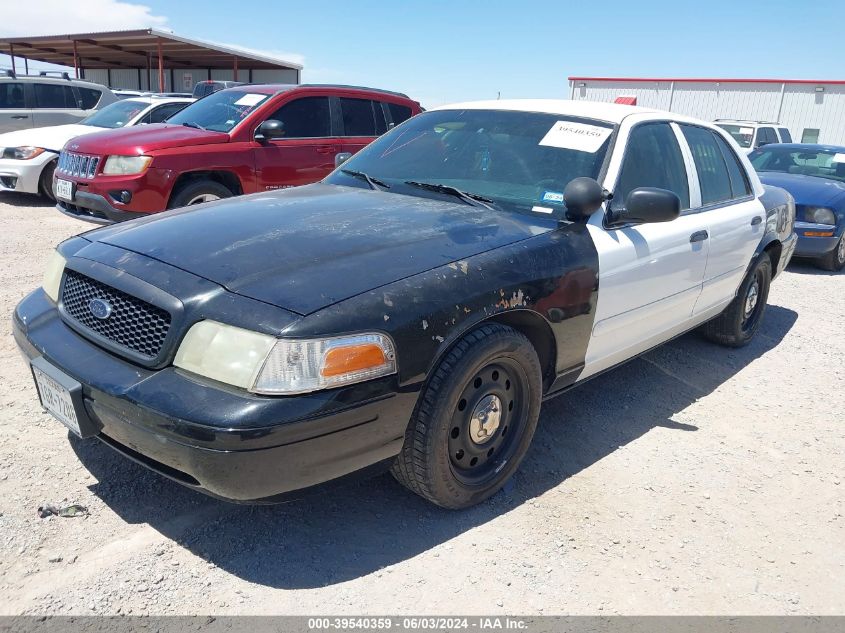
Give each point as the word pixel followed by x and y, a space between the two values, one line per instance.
pixel 765 136
pixel 650 275
pixel 733 215
pixel 55 104
pixel 306 152
pixel 362 120
pixel 15 114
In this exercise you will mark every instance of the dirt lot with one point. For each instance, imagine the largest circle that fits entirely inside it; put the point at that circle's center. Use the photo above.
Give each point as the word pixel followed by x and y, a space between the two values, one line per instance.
pixel 694 480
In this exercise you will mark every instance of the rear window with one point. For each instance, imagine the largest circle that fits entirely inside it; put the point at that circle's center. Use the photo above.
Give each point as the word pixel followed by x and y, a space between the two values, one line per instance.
pixel 54 96
pixel 11 95
pixel 399 113
pixel 89 97
pixel 742 134
pixel 713 177
pixel 785 136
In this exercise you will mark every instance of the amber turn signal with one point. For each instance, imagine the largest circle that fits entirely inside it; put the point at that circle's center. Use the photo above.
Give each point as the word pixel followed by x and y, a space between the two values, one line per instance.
pixel 818 233
pixel 351 358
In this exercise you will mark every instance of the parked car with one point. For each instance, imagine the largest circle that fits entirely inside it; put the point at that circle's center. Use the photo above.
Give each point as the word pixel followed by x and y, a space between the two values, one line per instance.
pixel 239 140
pixel 413 309
pixel 28 101
pixel 29 157
pixel 750 135
pixel 815 176
pixel 205 88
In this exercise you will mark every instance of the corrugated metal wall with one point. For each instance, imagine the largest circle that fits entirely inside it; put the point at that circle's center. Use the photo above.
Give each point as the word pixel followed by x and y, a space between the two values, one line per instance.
pixel 128 79
pixel 802 107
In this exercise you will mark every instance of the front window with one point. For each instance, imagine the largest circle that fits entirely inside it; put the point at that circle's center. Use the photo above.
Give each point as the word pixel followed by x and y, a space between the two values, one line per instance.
pixel 821 163
pixel 742 134
pixel 115 115
pixel 220 111
pixel 521 161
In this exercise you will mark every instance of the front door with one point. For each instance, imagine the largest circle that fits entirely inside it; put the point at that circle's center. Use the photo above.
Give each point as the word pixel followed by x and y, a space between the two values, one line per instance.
pixel 305 153
pixel 650 275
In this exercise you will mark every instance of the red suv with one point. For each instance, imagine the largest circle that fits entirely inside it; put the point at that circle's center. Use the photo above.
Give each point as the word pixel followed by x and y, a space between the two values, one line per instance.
pixel 241 140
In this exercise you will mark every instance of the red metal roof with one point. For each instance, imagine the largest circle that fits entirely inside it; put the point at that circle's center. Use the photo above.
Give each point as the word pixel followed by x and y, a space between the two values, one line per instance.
pixel 731 80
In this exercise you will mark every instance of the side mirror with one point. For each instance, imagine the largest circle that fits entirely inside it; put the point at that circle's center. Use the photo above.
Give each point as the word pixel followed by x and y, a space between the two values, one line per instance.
pixel 341 157
pixel 270 129
pixel 646 205
pixel 583 197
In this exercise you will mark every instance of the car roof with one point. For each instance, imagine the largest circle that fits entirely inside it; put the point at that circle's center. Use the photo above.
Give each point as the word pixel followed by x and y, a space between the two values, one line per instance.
pixel 746 121
pixel 810 147
pixel 603 111
pixel 53 80
pixel 158 100
pixel 271 89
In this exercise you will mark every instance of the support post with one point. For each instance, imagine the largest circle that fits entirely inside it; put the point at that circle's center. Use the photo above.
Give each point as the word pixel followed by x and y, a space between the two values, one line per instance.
pixel 160 68
pixel 12 55
pixel 149 73
pixel 75 61
pixel 235 69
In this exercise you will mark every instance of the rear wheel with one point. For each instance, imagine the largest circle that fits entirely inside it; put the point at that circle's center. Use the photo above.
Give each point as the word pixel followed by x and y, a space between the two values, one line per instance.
pixel 739 322
pixel 45 182
pixel 197 192
pixel 835 259
pixel 475 419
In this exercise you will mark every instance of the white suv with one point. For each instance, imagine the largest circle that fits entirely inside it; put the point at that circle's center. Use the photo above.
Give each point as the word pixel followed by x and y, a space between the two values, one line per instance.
pixel 38 101
pixel 750 135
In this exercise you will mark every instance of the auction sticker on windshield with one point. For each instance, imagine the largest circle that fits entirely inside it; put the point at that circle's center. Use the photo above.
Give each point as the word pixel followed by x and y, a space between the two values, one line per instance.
pixel 578 136
pixel 250 99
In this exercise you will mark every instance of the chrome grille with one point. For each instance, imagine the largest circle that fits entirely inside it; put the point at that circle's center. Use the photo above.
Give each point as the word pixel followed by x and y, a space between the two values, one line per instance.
pixel 132 323
pixel 78 165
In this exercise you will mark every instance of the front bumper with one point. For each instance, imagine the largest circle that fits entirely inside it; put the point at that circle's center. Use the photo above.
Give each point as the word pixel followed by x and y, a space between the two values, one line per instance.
pixel 222 441
pixel 22 176
pixel 815 246
pixel 93 207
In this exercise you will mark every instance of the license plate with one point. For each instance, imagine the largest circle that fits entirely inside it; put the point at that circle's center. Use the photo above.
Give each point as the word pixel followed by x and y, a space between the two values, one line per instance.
pixel 57 400
pixel 64 189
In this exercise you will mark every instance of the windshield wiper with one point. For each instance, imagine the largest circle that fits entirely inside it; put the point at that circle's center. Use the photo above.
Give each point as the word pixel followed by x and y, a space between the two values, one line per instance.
pixel 472 199
pixel 374 183
pixel 196 126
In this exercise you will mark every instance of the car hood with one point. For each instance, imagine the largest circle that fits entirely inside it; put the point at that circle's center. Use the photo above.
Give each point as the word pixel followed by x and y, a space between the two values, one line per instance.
pixel 807 190
pixel 141 139
pixel 305 248
pixel 53 137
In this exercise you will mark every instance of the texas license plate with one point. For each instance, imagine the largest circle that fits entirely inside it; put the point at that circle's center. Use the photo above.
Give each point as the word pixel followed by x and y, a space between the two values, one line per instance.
pixel 64 189
pixel 57 400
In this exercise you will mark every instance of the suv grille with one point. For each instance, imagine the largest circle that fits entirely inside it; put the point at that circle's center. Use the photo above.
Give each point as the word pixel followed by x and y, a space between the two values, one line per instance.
pixel 132 323
pixel 78 165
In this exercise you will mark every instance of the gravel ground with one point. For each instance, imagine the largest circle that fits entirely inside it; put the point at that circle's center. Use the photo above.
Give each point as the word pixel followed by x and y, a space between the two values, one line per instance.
pixel 693 480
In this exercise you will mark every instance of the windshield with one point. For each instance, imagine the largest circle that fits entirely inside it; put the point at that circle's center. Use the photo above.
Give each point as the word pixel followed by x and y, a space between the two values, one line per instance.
pixel 742 133
pixel 821 163
pixel 220 111
pixel 519 161
pixel 115 115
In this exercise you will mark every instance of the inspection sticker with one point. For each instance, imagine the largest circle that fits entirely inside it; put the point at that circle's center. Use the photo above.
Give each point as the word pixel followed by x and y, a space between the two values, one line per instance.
pixel 250 99
pixel 578 136
pixel 839 158
pixel 553 196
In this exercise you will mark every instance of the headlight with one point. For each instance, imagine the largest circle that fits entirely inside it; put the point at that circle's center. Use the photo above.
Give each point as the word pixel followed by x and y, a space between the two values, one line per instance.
pixel 126 165
pixel 267 365
pixel 53 275
pixel 22 153
pixel 819 215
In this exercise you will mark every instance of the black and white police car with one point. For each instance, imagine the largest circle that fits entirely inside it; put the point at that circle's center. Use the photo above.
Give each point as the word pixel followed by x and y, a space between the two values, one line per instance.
pixel 412 310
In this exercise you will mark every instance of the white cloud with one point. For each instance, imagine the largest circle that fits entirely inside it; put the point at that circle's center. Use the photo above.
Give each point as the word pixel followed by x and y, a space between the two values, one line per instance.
pixel 57 17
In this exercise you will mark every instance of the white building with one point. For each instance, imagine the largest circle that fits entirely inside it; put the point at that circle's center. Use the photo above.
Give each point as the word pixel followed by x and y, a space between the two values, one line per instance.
pixel 814 111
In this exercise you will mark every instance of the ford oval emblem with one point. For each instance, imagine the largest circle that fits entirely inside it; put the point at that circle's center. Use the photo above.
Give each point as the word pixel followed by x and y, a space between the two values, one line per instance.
pixel 100 308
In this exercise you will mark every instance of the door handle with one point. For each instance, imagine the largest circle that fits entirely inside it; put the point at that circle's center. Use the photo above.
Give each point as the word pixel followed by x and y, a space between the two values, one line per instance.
pixel 327 149
pixel 699 236
pixel 756 220
pixel 20 116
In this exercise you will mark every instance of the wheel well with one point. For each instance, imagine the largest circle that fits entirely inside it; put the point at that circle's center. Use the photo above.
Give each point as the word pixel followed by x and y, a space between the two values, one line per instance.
pixel 225 178
pixel 773 250
pixel 538 333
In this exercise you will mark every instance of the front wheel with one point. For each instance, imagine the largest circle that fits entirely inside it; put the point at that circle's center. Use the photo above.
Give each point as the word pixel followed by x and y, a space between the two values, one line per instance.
pixel 197 192
pixel 835 259
pixel 474 420
pixel 739 322
pixel 45 182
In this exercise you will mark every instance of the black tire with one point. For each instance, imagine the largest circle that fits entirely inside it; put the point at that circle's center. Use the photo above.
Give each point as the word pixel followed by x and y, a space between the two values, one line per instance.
pixel 45 182
pixel 739 322
pixel 192 192
pixel 835 259
pixel 456 462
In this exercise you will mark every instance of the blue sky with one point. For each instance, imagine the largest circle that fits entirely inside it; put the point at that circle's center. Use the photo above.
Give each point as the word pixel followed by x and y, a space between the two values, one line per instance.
pixel 441 51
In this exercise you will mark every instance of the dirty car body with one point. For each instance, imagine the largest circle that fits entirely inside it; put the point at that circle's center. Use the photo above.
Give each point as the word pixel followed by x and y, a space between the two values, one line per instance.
pixel 413 267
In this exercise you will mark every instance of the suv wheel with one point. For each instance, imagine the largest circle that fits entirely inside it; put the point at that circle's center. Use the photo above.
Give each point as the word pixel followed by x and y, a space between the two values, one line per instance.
pixel 835 259
pixel 197 192
pixel 474 419
pixel 45 182
pixel 739 322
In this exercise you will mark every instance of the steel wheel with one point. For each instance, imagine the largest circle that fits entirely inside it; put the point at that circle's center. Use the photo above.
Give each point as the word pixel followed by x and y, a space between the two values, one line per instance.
pixel 487 423
pixel 203 197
